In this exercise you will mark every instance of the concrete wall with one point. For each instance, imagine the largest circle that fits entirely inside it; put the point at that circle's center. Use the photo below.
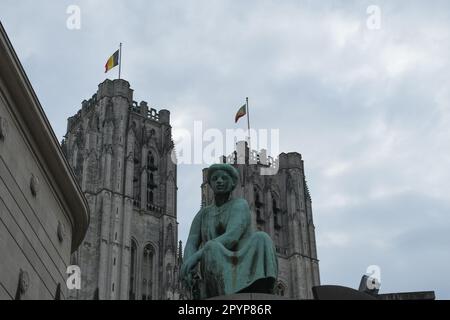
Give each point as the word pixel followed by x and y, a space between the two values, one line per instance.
pixel 29 222
pixel 43 214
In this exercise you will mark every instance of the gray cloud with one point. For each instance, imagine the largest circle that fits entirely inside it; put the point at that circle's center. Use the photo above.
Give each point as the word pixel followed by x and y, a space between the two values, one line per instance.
pixel 368 110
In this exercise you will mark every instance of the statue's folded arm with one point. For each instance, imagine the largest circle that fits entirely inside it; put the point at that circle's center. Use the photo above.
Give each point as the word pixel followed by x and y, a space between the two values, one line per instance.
pixel 238 223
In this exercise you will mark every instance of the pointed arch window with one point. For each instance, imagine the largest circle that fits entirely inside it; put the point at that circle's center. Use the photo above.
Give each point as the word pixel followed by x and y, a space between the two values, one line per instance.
pixel 258 202
pixel 258 206
pixel 133 270
pixel 276 214
pixel 170 241
pixel 152 182
pixel 147 272
pixel 136 178
pixel 149 197
pixel 151 165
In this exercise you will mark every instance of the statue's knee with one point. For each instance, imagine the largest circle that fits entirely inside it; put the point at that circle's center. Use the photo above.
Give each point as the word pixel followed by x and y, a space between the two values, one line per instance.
pixel 262 236
pixel 211 246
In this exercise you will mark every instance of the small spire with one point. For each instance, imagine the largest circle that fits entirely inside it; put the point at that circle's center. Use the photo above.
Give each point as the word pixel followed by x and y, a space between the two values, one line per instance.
pixel 180 252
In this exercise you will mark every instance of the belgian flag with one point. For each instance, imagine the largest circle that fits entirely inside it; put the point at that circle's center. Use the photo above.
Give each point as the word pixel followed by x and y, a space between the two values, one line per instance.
pixel 112 61
pixel 241 112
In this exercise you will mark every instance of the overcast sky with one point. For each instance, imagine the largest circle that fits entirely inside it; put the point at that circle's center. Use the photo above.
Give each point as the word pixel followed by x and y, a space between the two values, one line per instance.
pixel 369 110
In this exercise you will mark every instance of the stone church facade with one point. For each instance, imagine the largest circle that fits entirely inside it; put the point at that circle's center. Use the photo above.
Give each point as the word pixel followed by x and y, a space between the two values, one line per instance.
pixel 281 206
pixel 121 152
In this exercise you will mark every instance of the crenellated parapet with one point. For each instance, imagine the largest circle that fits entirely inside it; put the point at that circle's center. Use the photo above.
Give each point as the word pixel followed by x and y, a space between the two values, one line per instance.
pixel 291 160
pixel 244 155
pixel 115 88
pixel 86 107
pixel 142 108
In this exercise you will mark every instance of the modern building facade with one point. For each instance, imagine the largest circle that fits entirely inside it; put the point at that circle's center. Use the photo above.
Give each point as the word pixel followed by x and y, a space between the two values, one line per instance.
pixel 121 152
pixel 280 202
pixel 43 213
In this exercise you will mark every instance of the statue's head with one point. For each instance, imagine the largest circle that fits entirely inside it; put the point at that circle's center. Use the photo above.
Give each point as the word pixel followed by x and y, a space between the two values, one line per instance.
pixel 222 178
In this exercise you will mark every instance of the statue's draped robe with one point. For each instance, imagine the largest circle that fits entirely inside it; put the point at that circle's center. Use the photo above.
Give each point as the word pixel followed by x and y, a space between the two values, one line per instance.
pixel 234 256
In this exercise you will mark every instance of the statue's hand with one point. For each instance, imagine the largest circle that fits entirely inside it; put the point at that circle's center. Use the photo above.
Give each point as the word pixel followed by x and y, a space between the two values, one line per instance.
pixel 188 268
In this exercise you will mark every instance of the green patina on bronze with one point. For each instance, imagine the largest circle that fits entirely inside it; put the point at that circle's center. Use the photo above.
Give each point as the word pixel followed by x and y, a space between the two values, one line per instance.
pixel 233 257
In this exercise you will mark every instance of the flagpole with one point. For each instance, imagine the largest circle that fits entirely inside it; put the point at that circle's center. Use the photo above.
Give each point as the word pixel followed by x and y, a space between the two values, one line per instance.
pixel 120 59
pixel 248 122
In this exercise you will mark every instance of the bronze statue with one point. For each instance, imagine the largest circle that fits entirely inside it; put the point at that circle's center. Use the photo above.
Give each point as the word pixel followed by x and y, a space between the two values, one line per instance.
pixel 233 257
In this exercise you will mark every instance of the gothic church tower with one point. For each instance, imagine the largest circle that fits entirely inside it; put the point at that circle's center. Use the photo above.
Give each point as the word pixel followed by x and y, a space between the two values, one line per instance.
pixel 121 154
pixel 281 206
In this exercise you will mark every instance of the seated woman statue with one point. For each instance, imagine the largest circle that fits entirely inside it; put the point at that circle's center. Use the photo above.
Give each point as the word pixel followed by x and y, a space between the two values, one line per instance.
pixel 233 258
